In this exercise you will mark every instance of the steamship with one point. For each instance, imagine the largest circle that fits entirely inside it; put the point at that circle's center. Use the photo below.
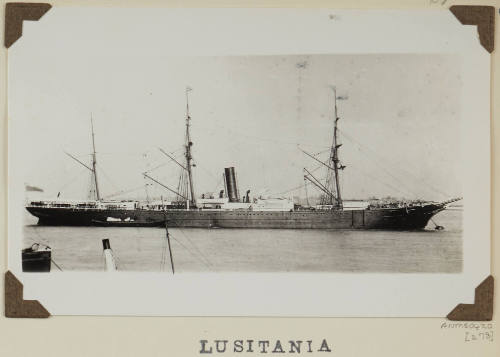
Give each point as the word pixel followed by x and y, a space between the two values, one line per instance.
pixel 230 210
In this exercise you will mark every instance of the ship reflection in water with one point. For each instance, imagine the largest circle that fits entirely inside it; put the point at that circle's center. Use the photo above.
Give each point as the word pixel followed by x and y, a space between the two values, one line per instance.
pixel 259 250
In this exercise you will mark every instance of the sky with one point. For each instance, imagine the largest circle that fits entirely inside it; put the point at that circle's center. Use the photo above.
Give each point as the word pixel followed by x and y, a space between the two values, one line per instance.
pixel 400 119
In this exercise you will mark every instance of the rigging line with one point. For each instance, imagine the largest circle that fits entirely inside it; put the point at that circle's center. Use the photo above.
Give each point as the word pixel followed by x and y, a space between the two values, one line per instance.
pixel 51 154
pixel 382 182
pixel 320 187
pixel 196 248
pixel 188 250
pixel 317 186
pixel 214 177
pixel 168 176
pixel 207 171
pixel 139 154
pixel 167 234
pixel 274 140
pixel 179 151
pixel 157 167
pixel 318 160
pixel 57 265
pixel 305 189
pixel 398 180
pixel 146 191
pixel 154 150
pixel 81 163
pixel 107 178
pixel 172 158
pixel 162 253
pixel 117 154
pixel 168 188
pixel 311 177
pixel 163 260
pixel 171 154
pixel 218 185
pixel 418 180
pixel 42 239
pixel 181 185
pixel 322 152
pixel 122 192
pixel 316 168
pixel 165 254
pixel 295 188
pixel 407 187
pixel 70 182
pixel 81 155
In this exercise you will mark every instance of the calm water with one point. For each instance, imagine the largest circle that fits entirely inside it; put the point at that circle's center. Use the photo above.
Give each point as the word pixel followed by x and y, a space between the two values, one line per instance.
pixel 249 250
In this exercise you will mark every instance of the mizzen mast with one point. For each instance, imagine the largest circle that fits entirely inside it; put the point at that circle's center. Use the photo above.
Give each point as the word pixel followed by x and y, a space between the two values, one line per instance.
pixel 94 161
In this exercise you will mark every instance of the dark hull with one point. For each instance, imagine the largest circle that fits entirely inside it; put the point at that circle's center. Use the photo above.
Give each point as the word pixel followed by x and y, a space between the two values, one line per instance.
pixel 383 218
pixel 36 261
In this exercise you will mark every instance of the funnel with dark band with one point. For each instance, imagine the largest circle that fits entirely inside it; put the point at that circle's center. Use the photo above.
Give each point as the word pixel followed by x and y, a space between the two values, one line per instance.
pixel 231 185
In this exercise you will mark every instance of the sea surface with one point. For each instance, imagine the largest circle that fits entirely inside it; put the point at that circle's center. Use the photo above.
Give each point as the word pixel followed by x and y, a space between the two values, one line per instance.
pixel 254 250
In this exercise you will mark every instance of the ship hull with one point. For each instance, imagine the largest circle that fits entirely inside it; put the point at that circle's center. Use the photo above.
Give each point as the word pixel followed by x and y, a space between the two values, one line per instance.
pixel 384 218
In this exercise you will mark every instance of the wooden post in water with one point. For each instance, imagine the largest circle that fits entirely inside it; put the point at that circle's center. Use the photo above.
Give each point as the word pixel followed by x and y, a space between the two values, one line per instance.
pixel 108 255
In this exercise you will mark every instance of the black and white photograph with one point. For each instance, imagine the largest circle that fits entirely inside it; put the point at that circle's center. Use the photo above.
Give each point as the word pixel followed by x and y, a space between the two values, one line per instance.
pixel 265 163
pixel 172 158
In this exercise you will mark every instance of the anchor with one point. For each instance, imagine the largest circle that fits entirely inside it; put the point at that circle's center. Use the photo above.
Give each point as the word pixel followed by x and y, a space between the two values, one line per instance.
pixel 436 226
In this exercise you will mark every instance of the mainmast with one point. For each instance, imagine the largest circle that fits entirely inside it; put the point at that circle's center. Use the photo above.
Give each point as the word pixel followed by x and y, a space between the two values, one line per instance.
pixel 94 161
pixel 188 144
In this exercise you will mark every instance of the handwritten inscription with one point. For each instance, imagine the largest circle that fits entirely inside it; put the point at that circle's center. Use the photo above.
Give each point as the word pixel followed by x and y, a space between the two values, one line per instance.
pixel 478 336
pixel 473 331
